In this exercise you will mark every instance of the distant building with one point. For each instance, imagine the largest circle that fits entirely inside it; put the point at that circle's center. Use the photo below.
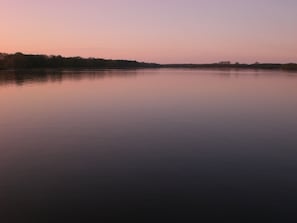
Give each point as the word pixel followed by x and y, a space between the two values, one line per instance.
pixel 225 63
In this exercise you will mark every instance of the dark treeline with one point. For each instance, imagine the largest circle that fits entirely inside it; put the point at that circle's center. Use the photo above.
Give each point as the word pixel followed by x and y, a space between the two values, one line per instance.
pixel 271 66
pixel 25 61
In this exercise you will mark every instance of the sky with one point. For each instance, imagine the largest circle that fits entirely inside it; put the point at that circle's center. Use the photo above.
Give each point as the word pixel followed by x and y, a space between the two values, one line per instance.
pixel 162 31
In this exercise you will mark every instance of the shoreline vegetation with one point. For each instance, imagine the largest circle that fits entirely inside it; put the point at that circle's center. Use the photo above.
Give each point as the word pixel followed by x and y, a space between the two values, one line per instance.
pixel 29 61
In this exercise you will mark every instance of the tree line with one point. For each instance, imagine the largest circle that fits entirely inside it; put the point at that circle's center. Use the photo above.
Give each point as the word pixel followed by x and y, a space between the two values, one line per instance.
pixel 267 66
pixel 27 61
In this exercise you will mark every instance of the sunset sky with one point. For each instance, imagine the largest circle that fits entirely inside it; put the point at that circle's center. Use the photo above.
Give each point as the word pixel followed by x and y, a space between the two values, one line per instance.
pixel 163 31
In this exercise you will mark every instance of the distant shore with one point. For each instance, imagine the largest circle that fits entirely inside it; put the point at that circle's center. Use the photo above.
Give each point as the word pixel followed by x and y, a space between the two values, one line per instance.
pixel 29 61
pixel 263 66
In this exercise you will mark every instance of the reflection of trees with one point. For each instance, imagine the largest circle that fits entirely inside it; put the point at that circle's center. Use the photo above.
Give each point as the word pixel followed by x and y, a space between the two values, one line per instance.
pixel 20 77
pixel 42 68
pixel 49 67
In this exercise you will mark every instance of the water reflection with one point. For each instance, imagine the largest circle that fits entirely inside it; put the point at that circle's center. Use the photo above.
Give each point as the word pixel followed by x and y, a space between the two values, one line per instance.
pixel 21 77
pixel 161 141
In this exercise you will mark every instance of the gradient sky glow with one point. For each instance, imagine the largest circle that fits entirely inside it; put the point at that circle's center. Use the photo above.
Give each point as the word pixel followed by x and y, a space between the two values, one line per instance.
pixel 164 31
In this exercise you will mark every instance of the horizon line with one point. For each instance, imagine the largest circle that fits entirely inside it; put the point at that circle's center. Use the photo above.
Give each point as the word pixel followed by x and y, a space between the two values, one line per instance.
pixel 221 62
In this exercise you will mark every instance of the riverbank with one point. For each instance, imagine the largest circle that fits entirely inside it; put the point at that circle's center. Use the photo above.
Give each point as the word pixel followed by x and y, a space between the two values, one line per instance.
pixel 29 61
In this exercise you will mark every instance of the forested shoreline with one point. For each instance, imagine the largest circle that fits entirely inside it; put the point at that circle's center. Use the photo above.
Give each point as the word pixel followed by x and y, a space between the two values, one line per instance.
pixel 30 61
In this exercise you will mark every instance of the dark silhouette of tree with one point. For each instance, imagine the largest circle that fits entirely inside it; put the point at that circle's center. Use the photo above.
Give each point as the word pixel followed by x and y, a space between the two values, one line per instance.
pixel 23 61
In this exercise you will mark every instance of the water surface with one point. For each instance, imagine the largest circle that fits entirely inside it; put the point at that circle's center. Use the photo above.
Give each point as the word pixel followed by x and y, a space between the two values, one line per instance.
pixel 157 141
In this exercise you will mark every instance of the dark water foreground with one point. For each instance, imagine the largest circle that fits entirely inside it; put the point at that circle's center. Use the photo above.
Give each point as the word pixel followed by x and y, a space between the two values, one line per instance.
pixel 158 143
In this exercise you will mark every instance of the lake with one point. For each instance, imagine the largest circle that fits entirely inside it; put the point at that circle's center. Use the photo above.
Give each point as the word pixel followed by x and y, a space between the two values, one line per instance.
pixel 166 141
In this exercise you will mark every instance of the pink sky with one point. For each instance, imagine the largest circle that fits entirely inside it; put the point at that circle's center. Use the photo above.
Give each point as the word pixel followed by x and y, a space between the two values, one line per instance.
pixel 167 31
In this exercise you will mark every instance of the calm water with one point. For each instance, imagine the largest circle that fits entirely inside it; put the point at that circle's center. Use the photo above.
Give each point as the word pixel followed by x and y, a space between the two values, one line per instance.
pixel 148 141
